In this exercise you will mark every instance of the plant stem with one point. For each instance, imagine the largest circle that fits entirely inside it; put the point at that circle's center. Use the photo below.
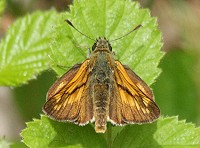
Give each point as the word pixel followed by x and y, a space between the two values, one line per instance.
pixel 109 135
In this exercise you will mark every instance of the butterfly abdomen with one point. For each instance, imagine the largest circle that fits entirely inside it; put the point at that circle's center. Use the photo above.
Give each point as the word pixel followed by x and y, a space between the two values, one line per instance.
pixel 101 104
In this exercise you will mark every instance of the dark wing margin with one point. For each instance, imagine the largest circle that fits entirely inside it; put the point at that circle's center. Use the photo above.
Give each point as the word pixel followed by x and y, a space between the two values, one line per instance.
pixel 68 99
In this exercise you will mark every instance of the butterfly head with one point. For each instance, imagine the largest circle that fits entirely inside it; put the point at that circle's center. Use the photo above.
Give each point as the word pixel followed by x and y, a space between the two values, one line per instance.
pixel 102 44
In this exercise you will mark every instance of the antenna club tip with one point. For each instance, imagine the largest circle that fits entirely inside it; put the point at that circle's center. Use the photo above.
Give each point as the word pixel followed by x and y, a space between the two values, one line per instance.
pixel 68 22
pixel 138 26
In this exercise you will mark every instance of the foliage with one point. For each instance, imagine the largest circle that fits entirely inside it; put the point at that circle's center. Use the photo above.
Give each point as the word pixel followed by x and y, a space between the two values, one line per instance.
pixel 178 94
pixel 31 40
pixel 165 132
pixel 24 51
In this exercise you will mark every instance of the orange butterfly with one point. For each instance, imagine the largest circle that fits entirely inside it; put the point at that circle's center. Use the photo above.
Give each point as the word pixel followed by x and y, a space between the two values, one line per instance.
pixel 101 89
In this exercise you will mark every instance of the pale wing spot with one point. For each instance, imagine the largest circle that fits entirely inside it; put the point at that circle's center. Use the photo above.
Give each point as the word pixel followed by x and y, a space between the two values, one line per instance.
pixel 146 103
pixel 147 110
pixel 58 88
pixel 137 105
pixel 141 87
pixel 57 97
pixel 66 101
pixel 57 107
pixel 143 110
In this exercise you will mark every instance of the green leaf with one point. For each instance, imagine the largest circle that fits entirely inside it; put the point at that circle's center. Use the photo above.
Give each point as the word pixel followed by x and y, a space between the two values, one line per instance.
pixel 175 89
pixel 25 48
pixel 2 7
pixel 111 19
pixel 33 95
pixel 49 133
pixel 4 143
pixel 166 133
pixel 18 145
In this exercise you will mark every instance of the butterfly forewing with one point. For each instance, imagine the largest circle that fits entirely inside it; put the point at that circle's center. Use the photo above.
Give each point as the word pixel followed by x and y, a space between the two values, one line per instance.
pixel 132 100
pixel 62 81
pixel 68 99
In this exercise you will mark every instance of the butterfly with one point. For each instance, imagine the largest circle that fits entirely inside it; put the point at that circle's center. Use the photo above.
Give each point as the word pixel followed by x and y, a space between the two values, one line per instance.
pixel 99 90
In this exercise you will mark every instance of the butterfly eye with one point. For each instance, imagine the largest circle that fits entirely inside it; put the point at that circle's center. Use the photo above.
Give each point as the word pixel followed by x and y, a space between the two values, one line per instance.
pixel 110 47
pixel 94 46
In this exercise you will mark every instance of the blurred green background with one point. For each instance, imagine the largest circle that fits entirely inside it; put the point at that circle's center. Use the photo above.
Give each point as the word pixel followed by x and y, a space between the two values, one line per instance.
pixel 176 89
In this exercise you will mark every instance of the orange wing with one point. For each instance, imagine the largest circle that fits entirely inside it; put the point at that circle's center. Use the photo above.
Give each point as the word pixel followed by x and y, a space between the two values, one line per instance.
pixel 131 99
pixel 68 99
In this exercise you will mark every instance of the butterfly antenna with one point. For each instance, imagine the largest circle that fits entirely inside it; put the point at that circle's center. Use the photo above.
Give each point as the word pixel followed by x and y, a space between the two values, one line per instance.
pixel 68 22
pixel 137 27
